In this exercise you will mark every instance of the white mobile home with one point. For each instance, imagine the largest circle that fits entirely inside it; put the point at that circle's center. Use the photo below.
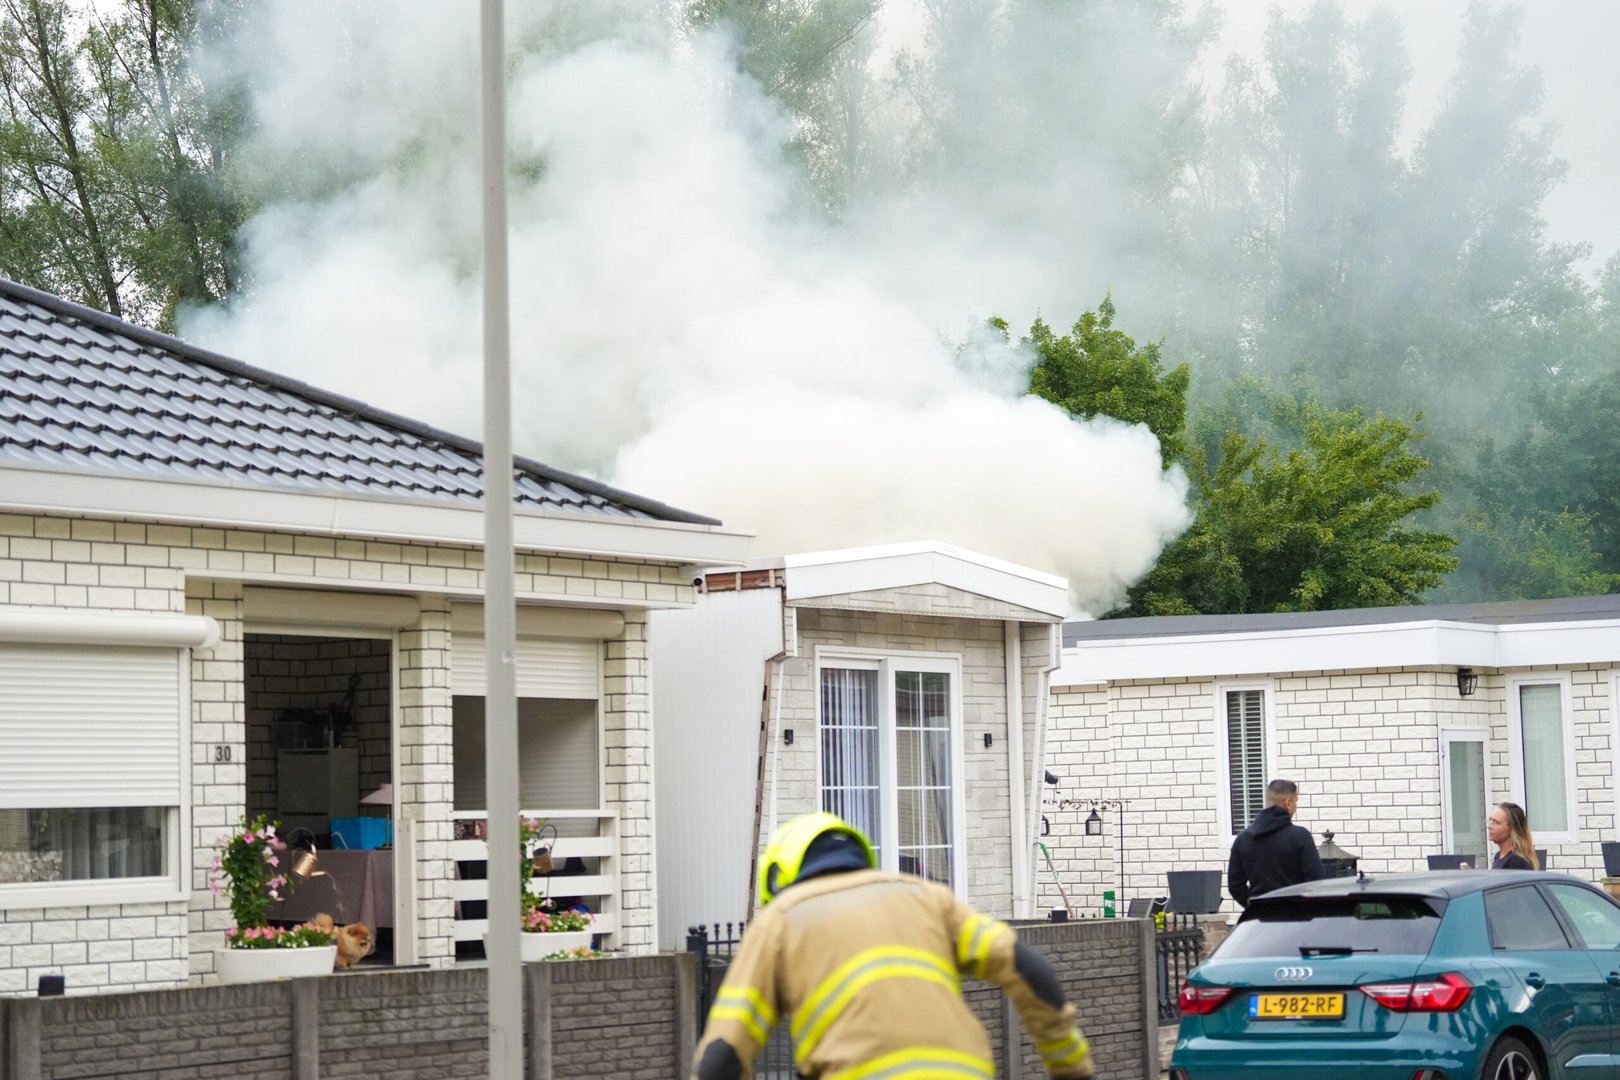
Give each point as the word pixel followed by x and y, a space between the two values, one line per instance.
pixel 1402 726
pixel 903 687
pixel 223 592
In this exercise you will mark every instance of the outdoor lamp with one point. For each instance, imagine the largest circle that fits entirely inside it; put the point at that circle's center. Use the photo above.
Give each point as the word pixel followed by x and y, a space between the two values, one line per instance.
pixel 1467 681
pixel 1094 824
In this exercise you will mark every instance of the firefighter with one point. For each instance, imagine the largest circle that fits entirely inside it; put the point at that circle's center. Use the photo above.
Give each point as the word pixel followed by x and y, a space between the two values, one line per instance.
pixel 866 967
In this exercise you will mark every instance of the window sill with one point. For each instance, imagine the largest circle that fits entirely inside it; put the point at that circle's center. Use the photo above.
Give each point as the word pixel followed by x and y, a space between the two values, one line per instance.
pixel 57 894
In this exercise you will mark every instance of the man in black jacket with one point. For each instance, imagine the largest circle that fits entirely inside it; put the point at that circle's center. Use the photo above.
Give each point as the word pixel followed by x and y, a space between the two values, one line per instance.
pixel 1272 851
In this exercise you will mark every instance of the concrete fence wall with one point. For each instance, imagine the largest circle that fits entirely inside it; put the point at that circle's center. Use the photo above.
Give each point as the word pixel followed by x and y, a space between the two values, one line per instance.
pixel 613 1018
pixel 1107 968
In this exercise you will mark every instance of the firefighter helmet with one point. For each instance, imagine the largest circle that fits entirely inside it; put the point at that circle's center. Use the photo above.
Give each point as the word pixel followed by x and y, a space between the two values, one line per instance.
pixel 784 855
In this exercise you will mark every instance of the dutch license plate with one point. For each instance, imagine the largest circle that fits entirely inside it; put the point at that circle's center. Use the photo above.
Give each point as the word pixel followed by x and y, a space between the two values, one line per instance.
pixel 1296 1006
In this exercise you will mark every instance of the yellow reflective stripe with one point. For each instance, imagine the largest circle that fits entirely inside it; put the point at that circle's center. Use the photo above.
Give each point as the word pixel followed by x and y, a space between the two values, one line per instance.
pixel 968 940
pixel 920 1063
pixel 973 944
pixel 748 995
pixel 749 1008
pixel 823 1006
pixel 1069 1050
pixel 744 1016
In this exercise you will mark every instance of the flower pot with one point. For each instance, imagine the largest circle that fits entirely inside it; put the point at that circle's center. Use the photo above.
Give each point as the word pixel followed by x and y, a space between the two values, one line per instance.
pixel 539 946
pixel 260 965
pixel 1611 858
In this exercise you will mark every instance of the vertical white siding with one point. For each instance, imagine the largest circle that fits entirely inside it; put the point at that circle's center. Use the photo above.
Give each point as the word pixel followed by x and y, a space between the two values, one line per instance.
pixel 708 674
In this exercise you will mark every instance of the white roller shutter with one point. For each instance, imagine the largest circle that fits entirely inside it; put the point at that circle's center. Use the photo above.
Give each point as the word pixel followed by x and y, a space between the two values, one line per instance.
pixel 84 726
pixel 546 667
pixel 558 755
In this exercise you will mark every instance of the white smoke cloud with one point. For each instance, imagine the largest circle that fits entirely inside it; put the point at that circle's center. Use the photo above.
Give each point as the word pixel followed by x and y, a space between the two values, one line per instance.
pixel 681 325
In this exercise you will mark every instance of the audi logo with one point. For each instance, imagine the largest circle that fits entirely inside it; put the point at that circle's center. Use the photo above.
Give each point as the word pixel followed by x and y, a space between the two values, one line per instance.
pixel 1293 974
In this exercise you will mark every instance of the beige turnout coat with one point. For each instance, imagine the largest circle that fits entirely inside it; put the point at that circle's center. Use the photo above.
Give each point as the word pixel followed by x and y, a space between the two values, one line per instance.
pixel 865 967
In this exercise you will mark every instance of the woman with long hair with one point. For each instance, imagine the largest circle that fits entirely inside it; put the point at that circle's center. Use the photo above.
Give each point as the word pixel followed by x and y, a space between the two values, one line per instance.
pixel 1509 829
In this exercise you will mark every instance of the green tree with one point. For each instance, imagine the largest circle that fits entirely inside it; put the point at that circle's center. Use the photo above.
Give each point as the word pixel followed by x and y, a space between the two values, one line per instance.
pixel 59 224
pixel 1322 526
pixel 1095 369
pixel 115 155
pixel 811 57
pixel 1532 557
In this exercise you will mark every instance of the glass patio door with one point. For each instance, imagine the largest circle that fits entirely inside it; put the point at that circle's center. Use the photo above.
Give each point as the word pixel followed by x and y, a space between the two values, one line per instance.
pixel 890 758
pixel 1464 794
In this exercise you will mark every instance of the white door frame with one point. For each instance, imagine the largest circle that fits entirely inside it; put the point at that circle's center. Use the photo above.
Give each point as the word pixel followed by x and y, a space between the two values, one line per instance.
pixel 1448 735
pixel 407 939
pixel 886 663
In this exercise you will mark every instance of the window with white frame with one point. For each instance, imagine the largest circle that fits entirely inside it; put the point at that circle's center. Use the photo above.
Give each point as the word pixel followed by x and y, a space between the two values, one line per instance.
pixel 92 771
pixel 1541 752
pixel 1243 725
pixel 890 757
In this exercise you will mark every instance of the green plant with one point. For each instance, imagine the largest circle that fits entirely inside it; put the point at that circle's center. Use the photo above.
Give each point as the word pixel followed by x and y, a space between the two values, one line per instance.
pixel 247 872
pixel 272 937
pixel 539 917
pixel 583 952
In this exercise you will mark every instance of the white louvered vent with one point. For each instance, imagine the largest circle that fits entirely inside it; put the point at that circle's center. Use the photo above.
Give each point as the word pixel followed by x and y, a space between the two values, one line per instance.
pixel 89 726
pixel 546 667
pixel 1246 755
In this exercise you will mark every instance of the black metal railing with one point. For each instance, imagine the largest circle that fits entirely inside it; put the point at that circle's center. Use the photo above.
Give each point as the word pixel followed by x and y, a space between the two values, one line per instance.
pixel 1178 948
pixel 713 948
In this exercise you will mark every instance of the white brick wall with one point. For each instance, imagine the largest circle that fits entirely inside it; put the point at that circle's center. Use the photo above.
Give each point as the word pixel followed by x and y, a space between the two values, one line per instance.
pixel 1363 745
pixel 88 564
pixel 980 644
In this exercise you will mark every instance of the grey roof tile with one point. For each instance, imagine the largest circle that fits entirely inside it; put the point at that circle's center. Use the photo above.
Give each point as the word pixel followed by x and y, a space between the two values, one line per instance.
pixel 81 389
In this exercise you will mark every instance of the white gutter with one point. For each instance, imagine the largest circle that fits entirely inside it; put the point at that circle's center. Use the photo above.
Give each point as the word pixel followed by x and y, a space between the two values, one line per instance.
pixel 1037 773
pixel 1421 643
pixel 1013 652
pixel 49 626
pixel 219 504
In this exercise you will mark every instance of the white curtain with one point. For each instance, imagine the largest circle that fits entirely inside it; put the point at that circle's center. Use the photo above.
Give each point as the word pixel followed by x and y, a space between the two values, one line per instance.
pixel 851 774
pixel 82 844
pixel 923 749
pixel 1541 723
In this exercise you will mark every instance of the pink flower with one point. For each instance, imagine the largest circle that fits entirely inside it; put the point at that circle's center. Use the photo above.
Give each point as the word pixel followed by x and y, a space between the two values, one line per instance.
pixel 231 932
pixel 277 882
pixel 274 861
pixel 215 887
pixel 248 837
pixel 270 831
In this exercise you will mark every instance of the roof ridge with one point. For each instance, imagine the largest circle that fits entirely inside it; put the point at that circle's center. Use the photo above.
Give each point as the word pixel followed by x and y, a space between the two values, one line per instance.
pixel 340 402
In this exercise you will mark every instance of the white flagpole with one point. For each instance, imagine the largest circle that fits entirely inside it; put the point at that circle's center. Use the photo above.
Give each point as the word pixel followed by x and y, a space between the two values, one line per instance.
pixel 500 615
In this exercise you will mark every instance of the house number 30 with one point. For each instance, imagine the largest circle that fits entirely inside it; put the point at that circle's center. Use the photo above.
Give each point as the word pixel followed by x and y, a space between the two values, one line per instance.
pixel 222 754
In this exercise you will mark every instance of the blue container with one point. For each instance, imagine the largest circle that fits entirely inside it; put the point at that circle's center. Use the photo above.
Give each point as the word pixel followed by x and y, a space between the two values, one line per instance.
pixel 360 833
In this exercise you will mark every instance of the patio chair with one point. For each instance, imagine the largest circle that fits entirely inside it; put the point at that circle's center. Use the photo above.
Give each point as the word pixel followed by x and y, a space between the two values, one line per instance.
pixel 1452 862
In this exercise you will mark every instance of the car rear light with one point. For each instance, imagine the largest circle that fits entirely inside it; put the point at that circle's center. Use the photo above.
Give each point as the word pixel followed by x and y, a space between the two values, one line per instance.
pixel 1202 1000
pixel 1444 993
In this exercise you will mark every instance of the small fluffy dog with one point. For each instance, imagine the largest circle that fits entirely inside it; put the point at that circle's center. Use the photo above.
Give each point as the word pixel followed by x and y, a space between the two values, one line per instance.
pixel 354 941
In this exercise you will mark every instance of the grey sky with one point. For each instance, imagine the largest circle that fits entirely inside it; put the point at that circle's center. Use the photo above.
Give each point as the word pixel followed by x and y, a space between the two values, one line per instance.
pixel 1572 42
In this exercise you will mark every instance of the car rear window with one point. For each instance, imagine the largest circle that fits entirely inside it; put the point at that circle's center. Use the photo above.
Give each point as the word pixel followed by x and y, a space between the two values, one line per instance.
pixel 1300 926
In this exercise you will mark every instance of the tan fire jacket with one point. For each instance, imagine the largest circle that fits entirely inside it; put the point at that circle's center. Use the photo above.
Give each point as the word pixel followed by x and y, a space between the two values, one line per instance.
pixel 866 968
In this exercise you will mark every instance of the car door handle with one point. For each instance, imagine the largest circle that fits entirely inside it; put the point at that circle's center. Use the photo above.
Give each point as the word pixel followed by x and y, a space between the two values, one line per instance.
pixel 1534 980
pixel 1612 978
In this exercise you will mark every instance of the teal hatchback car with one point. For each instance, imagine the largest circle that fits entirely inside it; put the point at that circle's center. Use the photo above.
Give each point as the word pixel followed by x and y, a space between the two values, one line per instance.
pixel 1442 976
